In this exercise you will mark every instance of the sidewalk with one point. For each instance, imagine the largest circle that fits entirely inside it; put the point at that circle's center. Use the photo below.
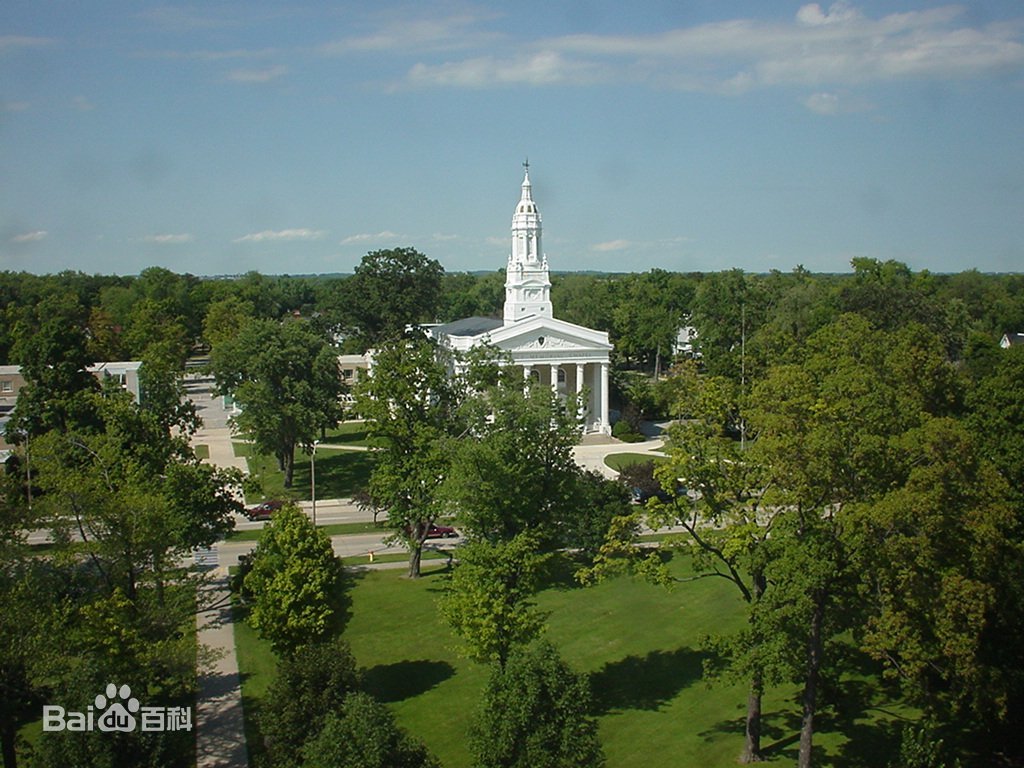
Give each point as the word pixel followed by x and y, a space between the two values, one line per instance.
pixel 220 727
pixel 592 456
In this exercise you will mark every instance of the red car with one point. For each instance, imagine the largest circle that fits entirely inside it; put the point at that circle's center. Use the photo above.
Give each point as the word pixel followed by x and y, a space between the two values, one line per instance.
pixel 264 511
pixel 441 532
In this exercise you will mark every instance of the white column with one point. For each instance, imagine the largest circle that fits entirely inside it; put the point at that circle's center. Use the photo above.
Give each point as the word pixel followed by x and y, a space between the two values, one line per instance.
pixel 580 405
pixel 526 379
pixel 554 378
pixel 605 427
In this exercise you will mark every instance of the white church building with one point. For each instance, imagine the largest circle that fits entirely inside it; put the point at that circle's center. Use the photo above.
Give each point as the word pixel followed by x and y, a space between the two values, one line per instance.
pixel 567 357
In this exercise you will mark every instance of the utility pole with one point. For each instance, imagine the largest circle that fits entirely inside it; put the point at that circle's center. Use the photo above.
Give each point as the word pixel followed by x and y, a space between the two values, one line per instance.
pixel 743 375
pixel 312 477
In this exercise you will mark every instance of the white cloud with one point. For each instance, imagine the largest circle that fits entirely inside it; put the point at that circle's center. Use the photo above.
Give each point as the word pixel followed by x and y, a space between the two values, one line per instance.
pixel 10 43
pixel 257 76
pixel 30 237
pixel 411 35
pixel 82 104
pixel 210 55
pixel 835 104
pixel 541 68
pixel 611 245
pixel 168 239
pixel 837 47
pixel 812 15
pixel 184 19
pixel 367 238
pixel 268 235
pixel 443 238
pixel 14 106
pixel 823 103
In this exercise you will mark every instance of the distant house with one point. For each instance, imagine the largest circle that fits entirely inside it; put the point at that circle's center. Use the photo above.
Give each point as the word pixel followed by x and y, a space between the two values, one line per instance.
pixel 125 373
pixel 1011 340
pixel 684 344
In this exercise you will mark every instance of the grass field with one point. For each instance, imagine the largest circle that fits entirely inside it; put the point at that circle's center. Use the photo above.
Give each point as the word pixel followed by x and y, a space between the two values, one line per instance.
pixel 640 645
pixel 618 461
pixel 339 473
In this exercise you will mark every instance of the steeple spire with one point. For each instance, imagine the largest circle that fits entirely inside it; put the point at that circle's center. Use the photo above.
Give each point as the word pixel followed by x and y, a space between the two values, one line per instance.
pixel 527 285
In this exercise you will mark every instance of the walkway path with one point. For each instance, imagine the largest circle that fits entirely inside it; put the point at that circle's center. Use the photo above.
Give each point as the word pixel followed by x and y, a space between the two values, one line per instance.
pixel 220 724
pixel 593 456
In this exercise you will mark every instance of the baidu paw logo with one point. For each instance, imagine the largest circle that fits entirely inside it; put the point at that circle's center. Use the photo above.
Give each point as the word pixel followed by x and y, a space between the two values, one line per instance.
pixel 116 716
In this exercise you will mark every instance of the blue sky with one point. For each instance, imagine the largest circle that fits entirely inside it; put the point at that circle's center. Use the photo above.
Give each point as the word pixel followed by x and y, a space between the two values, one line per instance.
pixel 225 136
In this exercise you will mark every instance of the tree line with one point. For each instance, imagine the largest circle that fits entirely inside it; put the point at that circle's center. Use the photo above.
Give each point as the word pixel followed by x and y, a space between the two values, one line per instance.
pixel 850 447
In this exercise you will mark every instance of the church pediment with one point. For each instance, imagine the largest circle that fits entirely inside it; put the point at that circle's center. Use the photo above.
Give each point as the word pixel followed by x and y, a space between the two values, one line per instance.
pixel 542 334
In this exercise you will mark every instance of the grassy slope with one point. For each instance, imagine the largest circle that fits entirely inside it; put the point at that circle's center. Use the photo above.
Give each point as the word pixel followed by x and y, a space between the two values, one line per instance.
pixel 639 644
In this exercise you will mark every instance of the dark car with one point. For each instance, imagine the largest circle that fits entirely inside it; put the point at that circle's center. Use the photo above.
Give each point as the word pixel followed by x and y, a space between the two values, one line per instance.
pixel 441 532
pixel 264 511
pixel 641 495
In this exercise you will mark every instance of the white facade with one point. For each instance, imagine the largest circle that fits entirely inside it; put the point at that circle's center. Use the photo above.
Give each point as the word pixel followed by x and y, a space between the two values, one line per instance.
pixel 569 358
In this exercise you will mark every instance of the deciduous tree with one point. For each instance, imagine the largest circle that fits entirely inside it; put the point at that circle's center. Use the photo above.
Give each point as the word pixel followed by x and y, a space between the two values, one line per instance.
pixel 488 600
pixel 295 583
pixel 285 378
pixel 363 734
pixel 412 407
pixel 536 714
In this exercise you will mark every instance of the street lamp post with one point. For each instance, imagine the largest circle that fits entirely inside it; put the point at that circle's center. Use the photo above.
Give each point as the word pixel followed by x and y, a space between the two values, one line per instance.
pixel 312 477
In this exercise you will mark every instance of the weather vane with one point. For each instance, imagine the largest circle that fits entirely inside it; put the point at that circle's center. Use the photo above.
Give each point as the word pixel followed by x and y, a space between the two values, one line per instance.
pixel 526 164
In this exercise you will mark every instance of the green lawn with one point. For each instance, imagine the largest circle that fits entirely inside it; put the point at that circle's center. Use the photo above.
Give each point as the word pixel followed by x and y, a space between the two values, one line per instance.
pixel 339 473
pixel 202 451
pixel 348 433
pixel 618 461
pixel 640 645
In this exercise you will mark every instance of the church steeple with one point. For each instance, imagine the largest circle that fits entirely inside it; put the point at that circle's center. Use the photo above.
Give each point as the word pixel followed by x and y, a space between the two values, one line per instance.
pixel 527 285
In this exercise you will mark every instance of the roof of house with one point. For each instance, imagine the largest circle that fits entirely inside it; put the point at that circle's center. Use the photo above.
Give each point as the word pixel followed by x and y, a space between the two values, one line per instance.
pixel 1012 339
pixel 467 326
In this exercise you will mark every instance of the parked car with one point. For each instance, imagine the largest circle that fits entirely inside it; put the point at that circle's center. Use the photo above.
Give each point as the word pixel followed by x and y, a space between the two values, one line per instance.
pixel 641 495
pixel 441 532
pixel 265 510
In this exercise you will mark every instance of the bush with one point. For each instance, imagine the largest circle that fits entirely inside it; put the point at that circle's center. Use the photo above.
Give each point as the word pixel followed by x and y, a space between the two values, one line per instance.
pixel 311 683
pixel 536 714
pixel 363 734
pixel 624 431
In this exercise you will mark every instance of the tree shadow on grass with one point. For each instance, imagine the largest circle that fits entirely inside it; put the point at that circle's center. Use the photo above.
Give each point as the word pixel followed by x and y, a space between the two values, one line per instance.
pixel 871 740
pixel 649 682
pixel 338 473
pixel 405 679
pixel 560 572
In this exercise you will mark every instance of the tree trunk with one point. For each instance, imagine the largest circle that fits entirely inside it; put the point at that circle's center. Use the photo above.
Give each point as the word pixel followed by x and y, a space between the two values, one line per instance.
pixel 289 466
pixel 8 743
pixel 415 555
pixel 752 746
pixel 810 694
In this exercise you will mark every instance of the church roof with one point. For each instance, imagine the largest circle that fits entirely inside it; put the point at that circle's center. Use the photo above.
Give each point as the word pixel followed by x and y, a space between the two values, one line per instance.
pixel 468 326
